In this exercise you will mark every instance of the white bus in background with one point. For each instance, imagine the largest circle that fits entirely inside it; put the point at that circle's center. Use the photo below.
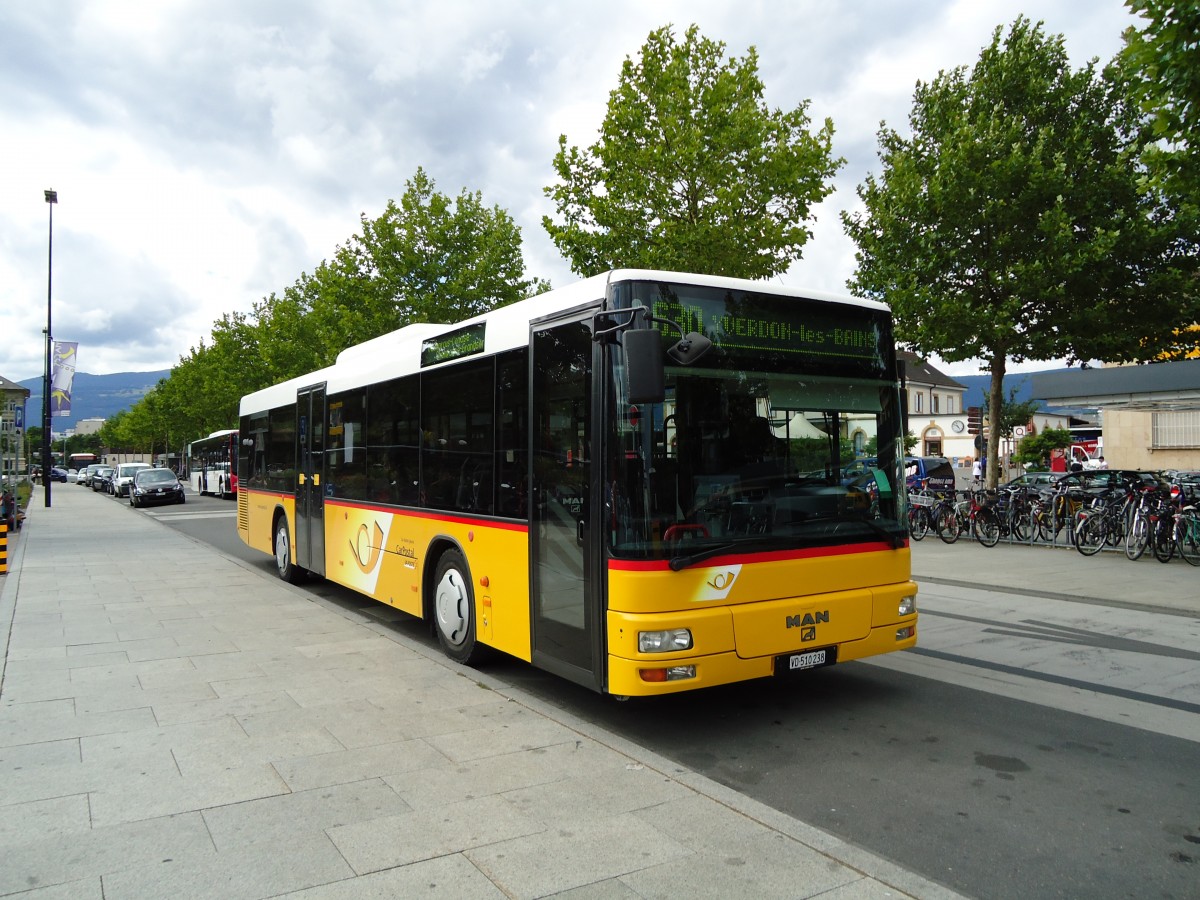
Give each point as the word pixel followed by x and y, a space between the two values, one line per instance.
pixel 212 464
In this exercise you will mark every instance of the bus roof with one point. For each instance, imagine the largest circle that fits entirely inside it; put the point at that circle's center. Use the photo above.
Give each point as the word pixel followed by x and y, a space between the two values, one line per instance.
pixel 399 352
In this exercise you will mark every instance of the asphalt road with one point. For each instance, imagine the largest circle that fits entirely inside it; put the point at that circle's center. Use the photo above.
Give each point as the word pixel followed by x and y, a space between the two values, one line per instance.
pixel 959 761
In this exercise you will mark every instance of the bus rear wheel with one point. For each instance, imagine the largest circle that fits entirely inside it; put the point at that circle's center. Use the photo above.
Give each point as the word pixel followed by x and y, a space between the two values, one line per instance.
pixel 285 566
pixel 454 609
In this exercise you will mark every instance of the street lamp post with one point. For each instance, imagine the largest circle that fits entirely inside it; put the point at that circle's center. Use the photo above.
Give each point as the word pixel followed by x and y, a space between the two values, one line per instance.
pixel 47 461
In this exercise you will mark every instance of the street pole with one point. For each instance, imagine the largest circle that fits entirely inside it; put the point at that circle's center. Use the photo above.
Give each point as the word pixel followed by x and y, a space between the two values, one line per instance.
pixel 47 462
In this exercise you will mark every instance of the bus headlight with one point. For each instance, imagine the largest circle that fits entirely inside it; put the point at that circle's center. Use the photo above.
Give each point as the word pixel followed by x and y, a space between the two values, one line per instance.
pixel 908 605
pixel 664 641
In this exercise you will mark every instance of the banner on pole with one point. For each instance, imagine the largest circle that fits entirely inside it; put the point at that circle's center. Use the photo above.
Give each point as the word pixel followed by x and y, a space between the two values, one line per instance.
pixel 64 377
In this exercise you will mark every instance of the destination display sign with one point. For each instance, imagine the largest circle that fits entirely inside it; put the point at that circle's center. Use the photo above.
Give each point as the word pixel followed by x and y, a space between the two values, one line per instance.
pixel 466 341
pixel 783 327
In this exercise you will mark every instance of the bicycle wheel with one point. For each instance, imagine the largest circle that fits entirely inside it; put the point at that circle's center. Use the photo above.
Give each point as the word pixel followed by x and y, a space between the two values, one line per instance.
pixel 987 528
pixel 1187 536
pixel 1137 537
pixel 918 522
pixel 946 525
pixel 1090 533
pixel 1019 523
pixel 1163 535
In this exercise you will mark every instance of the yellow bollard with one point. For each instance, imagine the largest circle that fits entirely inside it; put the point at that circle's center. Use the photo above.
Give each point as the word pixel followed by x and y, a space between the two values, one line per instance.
pixel 3 548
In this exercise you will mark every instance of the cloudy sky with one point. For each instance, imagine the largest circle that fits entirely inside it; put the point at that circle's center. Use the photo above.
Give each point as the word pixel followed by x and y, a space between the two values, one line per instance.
pixel 205 154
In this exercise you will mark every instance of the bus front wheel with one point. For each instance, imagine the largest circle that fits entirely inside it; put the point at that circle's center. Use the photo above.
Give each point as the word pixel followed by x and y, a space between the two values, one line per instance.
pixel 454 609
pixel 284 564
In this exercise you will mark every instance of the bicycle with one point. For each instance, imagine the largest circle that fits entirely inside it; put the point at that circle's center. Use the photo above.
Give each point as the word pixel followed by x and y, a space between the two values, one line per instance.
pixel 1139 533
pixel 1057 510
pixel 1187 535
pixel 970 515
pixel 1014 509
pixel 1104 522
pixel 920 511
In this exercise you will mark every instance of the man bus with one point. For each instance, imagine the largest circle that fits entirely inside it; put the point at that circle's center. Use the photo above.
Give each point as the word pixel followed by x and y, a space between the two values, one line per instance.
pixel 633 481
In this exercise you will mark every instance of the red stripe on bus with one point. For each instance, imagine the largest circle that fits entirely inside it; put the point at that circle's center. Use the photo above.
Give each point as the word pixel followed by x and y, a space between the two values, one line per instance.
pixel 655 565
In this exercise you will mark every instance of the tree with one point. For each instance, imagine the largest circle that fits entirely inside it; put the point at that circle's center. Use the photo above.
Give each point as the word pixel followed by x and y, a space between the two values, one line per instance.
pixel 1163 65
pixel 426 259
pixel 1016 223
pixel 691 172
pixel 1034 449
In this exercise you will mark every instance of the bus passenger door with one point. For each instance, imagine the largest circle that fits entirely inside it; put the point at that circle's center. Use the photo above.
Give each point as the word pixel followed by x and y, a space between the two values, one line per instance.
pixel 310 478
pixel 567 630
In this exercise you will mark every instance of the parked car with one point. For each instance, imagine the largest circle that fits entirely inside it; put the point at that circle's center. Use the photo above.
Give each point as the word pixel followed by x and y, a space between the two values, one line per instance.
pixel 85 475
pixel 57 474
pixel 1033 480
pixel 101 479
pixel 1094 481
pixel 153 486
pixel 123 477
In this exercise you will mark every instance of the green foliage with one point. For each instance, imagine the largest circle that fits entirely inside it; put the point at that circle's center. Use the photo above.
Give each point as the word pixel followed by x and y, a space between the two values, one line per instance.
pixel 1015 221
pixel 1035 449
pixel 1162 62
pixel 692 171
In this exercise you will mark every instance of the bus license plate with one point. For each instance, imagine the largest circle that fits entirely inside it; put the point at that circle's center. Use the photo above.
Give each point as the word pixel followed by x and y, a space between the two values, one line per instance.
pixel 809 659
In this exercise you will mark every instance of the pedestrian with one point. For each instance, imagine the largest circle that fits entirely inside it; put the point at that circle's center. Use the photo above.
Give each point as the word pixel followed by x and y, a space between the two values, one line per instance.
pixel 977 472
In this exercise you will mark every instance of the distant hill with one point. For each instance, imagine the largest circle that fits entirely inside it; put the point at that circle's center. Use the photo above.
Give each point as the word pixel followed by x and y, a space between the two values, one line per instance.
pixel 94 396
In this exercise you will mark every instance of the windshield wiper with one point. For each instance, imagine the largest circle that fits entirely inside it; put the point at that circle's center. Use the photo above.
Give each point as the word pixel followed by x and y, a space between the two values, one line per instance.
pixel 748 545
pixel 690 559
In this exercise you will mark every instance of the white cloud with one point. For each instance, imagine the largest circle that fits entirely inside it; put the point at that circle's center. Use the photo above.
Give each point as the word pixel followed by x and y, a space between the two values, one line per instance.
pixel 206 154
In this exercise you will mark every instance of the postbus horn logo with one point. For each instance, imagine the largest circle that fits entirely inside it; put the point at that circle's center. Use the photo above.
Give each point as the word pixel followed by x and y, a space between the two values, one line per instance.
pixel 372 549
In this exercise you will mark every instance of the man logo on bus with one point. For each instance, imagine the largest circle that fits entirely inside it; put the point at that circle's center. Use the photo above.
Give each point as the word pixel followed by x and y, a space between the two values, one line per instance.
pixel 808 619
pixel 372 551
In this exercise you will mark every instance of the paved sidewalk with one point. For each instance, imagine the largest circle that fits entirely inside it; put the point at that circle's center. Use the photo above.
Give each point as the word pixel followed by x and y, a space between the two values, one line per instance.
pixel 176 724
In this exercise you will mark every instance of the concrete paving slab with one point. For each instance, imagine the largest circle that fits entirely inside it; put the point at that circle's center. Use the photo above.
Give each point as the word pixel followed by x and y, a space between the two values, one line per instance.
pixel 425 834
pixel 40 820
pixel 101 851
pixel 377 761
pixel 591 851
pixel 275 820
pixel 446 876
pixel 243 873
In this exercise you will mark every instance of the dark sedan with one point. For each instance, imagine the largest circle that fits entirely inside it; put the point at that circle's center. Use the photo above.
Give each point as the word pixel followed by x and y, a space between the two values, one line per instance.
pixel 1095 481
pixel 57 474
pixel 151 486
pixel 101 478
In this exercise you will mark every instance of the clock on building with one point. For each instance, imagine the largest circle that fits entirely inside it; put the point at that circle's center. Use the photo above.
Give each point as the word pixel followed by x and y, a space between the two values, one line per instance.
pixel 958 425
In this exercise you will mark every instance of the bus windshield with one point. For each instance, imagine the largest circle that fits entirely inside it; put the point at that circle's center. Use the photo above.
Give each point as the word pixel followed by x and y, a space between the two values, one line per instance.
pixel 750 449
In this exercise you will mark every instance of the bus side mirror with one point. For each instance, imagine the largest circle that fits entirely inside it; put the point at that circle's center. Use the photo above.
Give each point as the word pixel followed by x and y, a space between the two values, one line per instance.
pixel 644 370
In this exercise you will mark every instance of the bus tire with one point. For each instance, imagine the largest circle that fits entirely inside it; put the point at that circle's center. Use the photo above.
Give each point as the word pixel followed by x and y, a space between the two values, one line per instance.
pixel 285 566
pixel 454 609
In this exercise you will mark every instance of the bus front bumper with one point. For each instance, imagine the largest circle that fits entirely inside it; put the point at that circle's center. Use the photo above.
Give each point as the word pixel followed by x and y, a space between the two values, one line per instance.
pixel 644 677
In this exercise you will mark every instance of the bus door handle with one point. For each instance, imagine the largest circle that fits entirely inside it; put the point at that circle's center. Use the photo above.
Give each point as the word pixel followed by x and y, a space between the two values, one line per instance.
pixel 579 532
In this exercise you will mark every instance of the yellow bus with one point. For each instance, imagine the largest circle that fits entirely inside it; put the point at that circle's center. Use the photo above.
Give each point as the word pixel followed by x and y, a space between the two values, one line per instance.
pixel 636 481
